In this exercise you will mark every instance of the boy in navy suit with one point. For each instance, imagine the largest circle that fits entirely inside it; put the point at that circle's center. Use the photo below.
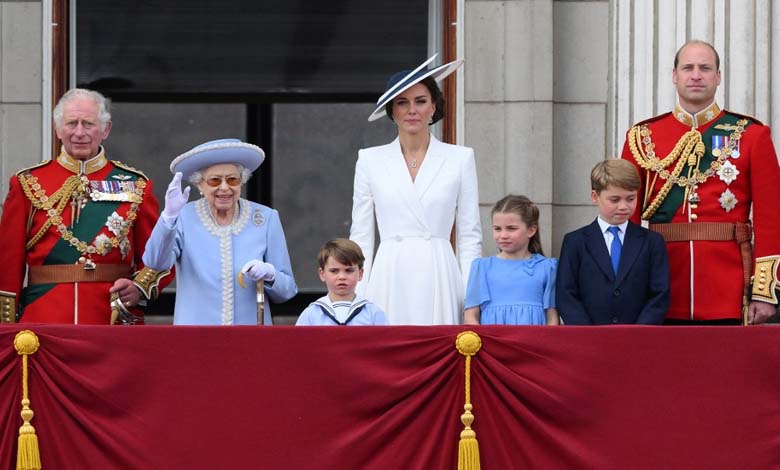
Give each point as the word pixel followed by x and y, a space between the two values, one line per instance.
pixel 613 271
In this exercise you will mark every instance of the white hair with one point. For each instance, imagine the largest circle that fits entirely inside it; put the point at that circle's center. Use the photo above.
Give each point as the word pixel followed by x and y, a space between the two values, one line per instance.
pixel 197 176
pixel 104 116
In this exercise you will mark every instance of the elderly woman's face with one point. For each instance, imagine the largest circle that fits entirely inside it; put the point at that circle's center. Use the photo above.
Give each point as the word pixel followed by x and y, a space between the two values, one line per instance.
pixel 221 186
pixel 413 109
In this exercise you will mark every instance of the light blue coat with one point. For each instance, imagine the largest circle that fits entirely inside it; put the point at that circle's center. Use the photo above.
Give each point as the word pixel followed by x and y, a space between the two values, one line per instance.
pixel 208 258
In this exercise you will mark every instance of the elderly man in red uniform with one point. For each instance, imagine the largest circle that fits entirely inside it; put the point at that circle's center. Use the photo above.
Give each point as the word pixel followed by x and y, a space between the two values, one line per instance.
pixel 702 169
pixel 75 227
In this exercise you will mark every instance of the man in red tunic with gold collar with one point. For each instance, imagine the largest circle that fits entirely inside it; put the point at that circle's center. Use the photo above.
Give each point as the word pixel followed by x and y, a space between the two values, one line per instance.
pixel 702 169
pixel 76 227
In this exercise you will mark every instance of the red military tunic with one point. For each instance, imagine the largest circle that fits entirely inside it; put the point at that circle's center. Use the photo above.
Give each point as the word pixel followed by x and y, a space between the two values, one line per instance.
pixel 115 217
pixel 738 169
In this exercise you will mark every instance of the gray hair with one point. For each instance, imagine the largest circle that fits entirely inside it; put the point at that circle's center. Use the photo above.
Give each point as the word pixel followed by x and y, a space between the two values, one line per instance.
pixel 104 116
pixel 197 176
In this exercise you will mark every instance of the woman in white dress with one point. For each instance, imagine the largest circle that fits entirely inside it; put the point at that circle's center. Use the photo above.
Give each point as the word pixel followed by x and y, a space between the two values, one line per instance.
pixel 416 187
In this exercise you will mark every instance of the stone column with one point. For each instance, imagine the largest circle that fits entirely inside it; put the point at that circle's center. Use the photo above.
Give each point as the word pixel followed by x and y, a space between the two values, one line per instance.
pixel 20 87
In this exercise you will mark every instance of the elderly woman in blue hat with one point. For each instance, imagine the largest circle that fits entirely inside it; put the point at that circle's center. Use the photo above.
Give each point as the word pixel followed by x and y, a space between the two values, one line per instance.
pixel 416 188
pixel 222 244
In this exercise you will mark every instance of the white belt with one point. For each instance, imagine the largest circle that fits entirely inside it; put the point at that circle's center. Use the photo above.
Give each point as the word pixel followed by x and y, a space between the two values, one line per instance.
pixel 420 236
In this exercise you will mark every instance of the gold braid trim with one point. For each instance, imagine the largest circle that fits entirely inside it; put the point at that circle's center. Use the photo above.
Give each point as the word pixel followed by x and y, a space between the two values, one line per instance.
pixel 688 150
pixel 71 188
pixel 765 279
pixel 148 280
pixel 37 196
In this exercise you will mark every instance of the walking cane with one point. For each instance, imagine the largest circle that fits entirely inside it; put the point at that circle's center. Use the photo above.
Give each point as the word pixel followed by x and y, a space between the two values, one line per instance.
pixel 260 298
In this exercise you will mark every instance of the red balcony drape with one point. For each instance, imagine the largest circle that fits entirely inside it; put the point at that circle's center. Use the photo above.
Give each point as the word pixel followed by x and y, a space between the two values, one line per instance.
pixel 160 397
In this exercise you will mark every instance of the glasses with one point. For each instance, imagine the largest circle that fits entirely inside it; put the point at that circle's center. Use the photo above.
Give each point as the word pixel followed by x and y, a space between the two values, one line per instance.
pixel 215 181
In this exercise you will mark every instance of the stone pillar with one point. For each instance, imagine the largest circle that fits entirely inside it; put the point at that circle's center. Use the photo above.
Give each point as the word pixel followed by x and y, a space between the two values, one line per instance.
pixel 508 47
pixel 20 87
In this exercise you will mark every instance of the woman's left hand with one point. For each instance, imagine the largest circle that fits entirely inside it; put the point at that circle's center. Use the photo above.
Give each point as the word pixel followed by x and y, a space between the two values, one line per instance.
pixel 258 270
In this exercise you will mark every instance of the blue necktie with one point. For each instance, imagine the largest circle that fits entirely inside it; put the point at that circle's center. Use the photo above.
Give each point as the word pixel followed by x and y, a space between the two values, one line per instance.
pixel 615 248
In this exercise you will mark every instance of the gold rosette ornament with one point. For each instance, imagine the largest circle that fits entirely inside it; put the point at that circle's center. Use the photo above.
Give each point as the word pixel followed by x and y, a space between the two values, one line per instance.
pixel 468 343
pixel 27 455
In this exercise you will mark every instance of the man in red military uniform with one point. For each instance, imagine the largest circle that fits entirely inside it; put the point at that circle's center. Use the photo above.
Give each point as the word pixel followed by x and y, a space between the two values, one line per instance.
pixel 76 228
pixel 702 170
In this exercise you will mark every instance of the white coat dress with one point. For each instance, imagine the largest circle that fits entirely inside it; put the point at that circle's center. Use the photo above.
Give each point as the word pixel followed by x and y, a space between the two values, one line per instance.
pixel 414 276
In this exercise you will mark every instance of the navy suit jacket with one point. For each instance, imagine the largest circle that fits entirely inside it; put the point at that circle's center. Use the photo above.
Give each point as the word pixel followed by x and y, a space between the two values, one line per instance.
pixel 589 293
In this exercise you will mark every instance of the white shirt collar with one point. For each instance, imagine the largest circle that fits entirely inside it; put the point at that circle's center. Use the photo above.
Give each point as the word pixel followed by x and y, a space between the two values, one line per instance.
pixel 604 225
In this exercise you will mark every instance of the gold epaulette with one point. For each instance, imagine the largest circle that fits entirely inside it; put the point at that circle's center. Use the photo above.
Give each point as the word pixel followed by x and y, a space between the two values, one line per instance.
pixel 7 307
pixel 745 116
pixel 148 280
pixel 765 279
pixel 130 169
pixel 37 165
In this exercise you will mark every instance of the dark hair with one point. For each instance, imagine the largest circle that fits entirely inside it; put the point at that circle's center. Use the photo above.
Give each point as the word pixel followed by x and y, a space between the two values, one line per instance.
pixel 342 250
pixel 697 41
pixel 437 97
pixel 528 213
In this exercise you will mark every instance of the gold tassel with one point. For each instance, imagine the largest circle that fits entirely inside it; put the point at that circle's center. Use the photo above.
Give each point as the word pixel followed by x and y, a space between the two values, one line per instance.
pixel 468 343
pixel 27 455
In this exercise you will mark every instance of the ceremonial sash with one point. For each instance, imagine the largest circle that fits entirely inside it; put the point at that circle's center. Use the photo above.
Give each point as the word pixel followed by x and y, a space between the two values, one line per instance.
pixel 92 220
pixel 674 198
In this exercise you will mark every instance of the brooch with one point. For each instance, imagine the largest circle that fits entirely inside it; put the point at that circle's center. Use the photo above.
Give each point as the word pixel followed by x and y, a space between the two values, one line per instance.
pixel 257 218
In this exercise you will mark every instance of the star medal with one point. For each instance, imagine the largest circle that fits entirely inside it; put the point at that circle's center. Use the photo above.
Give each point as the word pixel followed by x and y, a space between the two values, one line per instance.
pixel 728 172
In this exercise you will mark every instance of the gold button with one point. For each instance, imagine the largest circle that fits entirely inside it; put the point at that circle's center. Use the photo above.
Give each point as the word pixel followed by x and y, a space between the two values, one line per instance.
pixel 694 216
pixel 761 286
pixel 694 206
pixel 763 269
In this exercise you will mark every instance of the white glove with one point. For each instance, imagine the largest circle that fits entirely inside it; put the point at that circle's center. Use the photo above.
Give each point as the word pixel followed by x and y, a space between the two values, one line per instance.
pixel 175 199
pixel 258 270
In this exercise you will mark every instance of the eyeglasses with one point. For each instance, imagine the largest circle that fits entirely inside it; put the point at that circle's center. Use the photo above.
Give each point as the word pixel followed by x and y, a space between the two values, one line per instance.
pixel 215 181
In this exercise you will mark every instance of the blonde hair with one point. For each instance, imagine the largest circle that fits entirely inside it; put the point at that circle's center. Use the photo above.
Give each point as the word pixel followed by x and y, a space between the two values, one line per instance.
pixel 529 214
pixel 614 172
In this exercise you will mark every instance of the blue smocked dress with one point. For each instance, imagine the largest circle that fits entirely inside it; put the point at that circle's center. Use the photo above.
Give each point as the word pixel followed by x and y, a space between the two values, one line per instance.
pixel 512 292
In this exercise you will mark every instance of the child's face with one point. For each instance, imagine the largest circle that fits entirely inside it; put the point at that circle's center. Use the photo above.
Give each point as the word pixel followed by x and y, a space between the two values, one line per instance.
pixel 616 205
pixel 340 278
pixel 511 233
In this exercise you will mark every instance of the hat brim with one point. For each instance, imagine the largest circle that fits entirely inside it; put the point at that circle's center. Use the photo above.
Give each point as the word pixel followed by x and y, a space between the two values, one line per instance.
pixel 437 73
pixel 203 156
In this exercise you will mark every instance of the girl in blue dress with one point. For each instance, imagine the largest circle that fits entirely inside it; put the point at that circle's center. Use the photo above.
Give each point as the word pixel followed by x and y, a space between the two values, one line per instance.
pixel 517 286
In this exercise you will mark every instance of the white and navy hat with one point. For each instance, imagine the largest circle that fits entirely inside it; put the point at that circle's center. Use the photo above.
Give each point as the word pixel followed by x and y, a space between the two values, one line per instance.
pixel 402 81
pixel 214 152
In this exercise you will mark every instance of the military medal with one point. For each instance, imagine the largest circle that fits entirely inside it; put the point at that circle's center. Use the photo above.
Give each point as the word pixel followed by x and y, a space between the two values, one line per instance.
pixel 121 191
pixel 718 142
pixel 728 200
pixel 728 172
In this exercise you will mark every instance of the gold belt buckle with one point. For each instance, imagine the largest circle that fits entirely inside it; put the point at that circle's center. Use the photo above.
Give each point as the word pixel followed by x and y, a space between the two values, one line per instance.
pixel 89 265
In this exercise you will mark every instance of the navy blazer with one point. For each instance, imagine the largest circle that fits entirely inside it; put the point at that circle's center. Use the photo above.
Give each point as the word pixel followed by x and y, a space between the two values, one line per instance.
pixel 589 293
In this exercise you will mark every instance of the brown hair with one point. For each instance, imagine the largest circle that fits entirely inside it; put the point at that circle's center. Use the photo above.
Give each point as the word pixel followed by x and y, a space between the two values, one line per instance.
pixel 437 97
pixel 343 250
pixel 528 213
pixel 614 172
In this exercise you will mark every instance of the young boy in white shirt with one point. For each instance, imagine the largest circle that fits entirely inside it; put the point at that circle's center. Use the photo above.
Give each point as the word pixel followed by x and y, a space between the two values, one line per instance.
pixel 341 268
